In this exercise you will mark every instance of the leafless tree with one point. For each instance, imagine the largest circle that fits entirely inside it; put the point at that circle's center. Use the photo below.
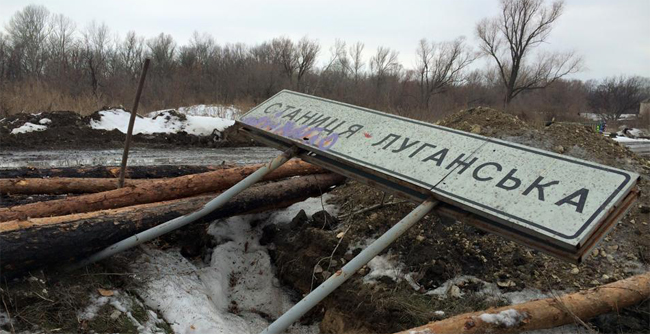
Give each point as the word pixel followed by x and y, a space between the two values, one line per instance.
pixel 131 54
pixel 384 63
pixel 61 40
pixel 97 48
pixel 509 39
pixel 356 57
pixel 284 53
pixel 28 31
pixel 615 96
pixel 440 65
pixel 306 54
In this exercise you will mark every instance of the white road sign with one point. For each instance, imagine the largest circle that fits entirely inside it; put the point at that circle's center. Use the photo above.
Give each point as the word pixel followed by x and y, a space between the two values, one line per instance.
pixel 550 196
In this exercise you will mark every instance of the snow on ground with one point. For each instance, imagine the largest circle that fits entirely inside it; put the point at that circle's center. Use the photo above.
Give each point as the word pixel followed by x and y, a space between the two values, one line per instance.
pixel 623 139
pixel 163 121
pixel 28 127
pixel 236 292
pixel 384 265
pixel 227 112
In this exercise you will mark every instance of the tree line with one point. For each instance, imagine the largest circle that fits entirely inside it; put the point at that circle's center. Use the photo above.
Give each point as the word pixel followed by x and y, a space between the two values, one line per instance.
pixel 48 62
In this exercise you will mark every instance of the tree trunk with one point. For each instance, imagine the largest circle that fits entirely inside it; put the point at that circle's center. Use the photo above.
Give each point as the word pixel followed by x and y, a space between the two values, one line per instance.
pixel 156 191
pixel 132 172
pixel 547 313
pixel 33 243
pixel 62 185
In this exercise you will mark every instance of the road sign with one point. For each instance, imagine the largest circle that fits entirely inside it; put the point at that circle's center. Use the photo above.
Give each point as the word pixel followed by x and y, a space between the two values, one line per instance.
pixel 553 202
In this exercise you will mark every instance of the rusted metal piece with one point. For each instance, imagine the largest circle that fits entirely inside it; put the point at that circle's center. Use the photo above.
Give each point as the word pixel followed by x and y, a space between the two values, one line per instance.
pixel 323 290
pixel 129 132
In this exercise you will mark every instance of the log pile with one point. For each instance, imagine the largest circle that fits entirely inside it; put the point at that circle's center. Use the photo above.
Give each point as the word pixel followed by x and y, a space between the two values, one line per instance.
pixel 51 232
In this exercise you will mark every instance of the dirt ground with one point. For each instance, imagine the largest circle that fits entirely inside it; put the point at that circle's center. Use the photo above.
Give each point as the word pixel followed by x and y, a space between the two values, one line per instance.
pixel 70 130
pixel 310 249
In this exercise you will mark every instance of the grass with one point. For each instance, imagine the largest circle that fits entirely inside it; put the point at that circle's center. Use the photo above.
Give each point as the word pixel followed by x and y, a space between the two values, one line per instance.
pixel 54 303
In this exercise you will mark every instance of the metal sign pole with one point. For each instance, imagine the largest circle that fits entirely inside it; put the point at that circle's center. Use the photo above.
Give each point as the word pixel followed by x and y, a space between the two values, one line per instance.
pixel 181 221
pixel 307 303
pixel 129 131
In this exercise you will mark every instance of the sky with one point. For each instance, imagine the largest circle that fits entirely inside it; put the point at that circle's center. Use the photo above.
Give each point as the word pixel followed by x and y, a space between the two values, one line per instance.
pixel 613 37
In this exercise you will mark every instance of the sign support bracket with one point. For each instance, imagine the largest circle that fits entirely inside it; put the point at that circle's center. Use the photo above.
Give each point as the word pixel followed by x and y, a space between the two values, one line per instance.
pixel 338 278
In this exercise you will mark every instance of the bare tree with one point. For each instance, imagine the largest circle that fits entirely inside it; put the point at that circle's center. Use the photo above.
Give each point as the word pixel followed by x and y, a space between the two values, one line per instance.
pixel 616 96
pixel 440 65
pixel 131 54
pixel 509 38
pixel 306 54
pixel 384 63
pixel 356 55
pixel 284 54
pixel 60 42
pixel 28 31
pixel 96 42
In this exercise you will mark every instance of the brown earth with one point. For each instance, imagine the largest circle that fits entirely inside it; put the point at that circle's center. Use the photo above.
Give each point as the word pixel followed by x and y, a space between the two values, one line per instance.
pixel 69 130
pixel 435 252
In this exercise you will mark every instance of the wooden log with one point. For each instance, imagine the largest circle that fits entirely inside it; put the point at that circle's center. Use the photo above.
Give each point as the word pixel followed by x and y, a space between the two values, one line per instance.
pixel 546 313
pixel 33 243
pixel 62 185
pixel 132 172
pixel 150 192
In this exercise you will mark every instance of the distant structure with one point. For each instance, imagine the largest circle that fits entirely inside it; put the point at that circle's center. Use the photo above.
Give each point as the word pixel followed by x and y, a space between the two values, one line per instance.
pixel 644 109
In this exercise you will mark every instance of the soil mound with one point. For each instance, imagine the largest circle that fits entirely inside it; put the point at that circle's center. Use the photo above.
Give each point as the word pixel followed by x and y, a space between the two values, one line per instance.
pixel 69 130
pixel 486 121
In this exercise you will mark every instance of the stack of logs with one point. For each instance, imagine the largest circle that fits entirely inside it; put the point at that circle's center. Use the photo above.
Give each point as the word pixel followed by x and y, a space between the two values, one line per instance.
pixel 94 214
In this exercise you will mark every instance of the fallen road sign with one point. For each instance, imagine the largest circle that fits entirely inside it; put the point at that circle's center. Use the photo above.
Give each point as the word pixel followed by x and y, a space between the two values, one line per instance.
pixel 552 202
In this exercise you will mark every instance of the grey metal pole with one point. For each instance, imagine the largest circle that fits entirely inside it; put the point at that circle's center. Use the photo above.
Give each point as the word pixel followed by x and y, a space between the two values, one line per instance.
pixel 129 131
pixel 323 290
pixel 181 221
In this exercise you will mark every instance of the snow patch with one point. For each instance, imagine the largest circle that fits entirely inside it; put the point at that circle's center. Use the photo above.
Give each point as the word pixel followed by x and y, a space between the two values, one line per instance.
pixel 28 127
pixel 227 112
pixel 44 121
pixel 163 121
pixel 236 293
pixel 628 140
pixel 507 318
pixel 384 265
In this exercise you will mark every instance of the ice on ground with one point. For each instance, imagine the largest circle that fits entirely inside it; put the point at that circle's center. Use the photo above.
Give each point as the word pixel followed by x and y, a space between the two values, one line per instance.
pixel 28 127
pixel 227 112
pixel 163 121
pixel 507 318
pixel 236 293
pixel 44 121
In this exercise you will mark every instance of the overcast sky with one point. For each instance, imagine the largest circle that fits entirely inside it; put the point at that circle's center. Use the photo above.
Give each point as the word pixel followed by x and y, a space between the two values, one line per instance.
pixel 612 36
